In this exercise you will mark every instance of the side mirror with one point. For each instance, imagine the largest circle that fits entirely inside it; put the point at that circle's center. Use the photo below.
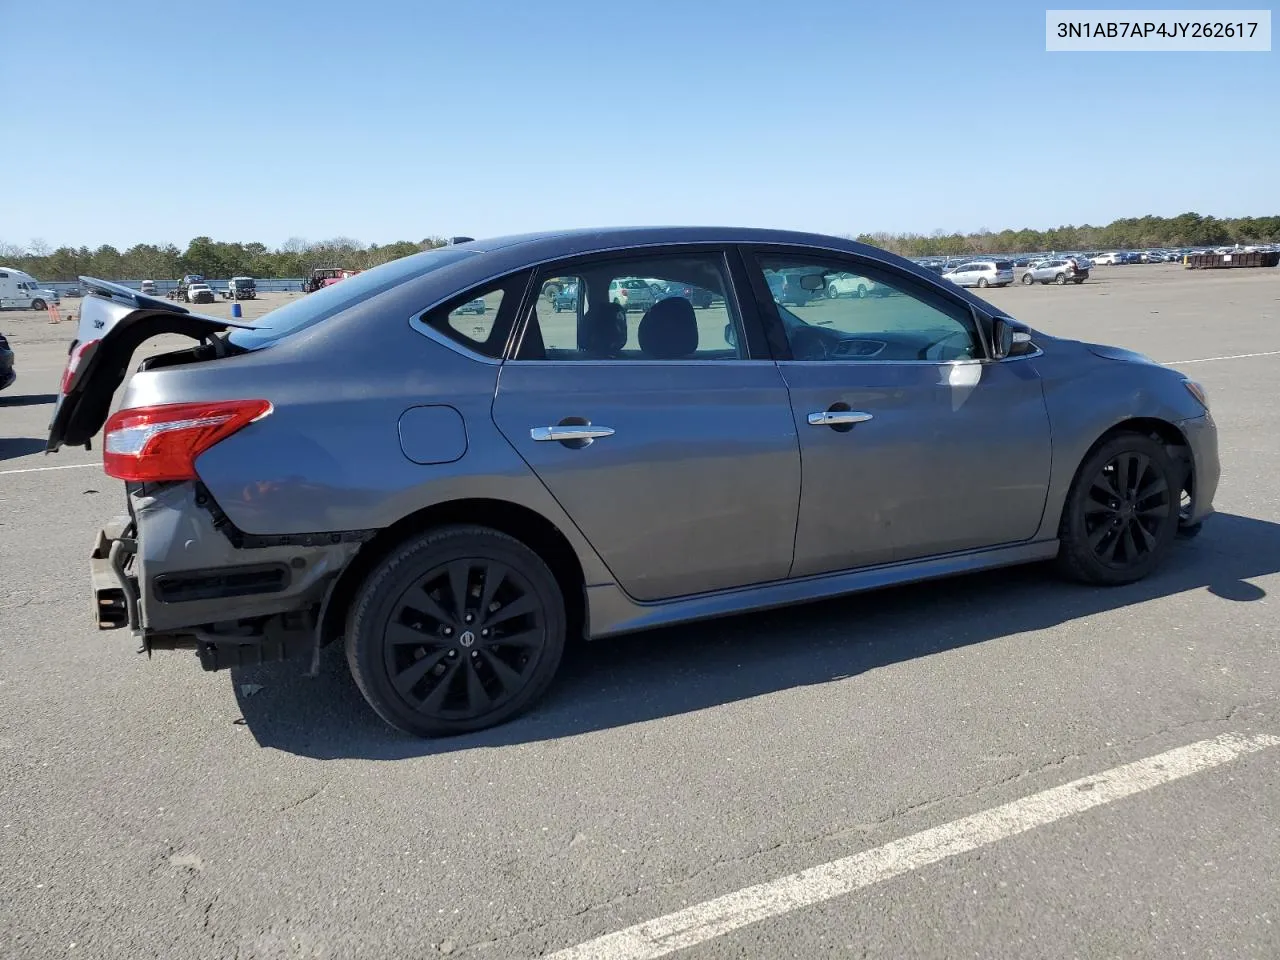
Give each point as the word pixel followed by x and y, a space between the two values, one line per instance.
pixel 1008 336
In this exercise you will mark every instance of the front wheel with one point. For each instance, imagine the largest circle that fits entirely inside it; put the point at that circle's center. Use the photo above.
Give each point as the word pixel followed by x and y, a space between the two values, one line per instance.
pixel 1028 279
pixel 832 292
pixel 982 282
pixel 1077 279
pixel 39 305
pixel 1121 513
pixel 457 630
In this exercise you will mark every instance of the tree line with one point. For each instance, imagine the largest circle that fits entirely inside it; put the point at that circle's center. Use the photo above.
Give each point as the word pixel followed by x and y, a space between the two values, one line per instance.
pixel 207 257
pixel 295 258
pixel 1130 233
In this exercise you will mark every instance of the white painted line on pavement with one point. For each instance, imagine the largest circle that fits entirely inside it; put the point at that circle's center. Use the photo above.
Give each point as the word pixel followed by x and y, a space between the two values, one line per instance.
pixel 714 918
pixel 64 466
pixel 1236 356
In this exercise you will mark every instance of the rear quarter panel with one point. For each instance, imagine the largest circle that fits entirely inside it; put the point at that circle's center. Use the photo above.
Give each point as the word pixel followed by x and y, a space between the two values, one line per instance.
pixel 329 457
pixel 1087 395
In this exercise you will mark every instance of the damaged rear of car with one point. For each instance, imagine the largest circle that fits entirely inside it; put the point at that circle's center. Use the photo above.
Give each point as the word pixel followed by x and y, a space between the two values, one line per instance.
pixel 174 568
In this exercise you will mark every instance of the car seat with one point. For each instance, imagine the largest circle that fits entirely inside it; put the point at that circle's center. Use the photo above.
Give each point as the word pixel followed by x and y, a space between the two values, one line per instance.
pixel 603 333
pixel 669 330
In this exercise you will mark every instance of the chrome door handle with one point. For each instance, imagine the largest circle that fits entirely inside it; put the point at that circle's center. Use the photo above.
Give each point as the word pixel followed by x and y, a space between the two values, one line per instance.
pixel 827 418
pixel 570 432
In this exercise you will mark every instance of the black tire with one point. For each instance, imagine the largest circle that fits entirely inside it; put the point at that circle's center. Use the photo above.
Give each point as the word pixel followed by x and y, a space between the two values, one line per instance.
pixel 1060 279
pixel 1107 513
pixel 506 673
pixel 38 304
pixel 1077 279
pixel 862 291
pixel 1028 279
pixel 982 282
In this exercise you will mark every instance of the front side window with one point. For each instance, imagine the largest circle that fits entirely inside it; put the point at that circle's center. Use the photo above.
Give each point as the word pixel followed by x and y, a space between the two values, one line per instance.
pixel 893 320
pixel 648 307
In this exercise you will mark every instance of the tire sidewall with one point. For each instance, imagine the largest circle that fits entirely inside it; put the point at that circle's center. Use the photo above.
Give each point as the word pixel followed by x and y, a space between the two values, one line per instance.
pixel 1073 534
pixel 375 603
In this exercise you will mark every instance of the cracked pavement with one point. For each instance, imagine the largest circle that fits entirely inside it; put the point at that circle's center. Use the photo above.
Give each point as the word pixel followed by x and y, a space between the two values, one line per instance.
pixel 148 809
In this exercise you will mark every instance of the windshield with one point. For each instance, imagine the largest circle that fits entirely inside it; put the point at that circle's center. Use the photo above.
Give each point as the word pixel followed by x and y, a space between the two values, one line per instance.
pixel 331 300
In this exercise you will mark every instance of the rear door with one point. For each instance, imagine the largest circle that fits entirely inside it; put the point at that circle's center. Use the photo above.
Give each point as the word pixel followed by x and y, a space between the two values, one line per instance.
pixel 672 449
pixel 912 443
pixel 114 321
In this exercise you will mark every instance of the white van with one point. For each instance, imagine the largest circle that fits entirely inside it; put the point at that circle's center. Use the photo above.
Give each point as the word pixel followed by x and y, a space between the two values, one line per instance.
pixel 22 291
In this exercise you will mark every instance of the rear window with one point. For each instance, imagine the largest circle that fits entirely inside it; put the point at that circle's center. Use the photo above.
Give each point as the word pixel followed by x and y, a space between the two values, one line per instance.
pixel 329 301
pixel 1004 264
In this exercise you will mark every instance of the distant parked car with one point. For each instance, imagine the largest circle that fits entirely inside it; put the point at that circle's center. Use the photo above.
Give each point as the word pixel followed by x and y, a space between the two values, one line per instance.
pixel 473 306
pixel 200 293
pixel 565 297
pixel 850 285
pixel 7 373
pixel 788 289
pixel 148 288
pixel 700 298
pixel 982 273
pixel 632 293
pixel 1058 270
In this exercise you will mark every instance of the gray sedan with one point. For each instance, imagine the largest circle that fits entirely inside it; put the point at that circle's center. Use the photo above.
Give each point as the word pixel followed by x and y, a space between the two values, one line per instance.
pixel 453 501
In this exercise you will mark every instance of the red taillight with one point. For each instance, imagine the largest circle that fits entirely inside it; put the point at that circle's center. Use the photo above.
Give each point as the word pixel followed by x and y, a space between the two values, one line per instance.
pixel 163 442
pixel 73 362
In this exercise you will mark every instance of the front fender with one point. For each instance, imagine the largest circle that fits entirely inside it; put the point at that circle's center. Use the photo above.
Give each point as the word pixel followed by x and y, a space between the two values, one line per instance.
pixel 1089 392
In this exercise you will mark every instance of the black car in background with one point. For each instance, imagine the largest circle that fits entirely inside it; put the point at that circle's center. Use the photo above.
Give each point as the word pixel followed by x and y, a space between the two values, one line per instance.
pixel 7 373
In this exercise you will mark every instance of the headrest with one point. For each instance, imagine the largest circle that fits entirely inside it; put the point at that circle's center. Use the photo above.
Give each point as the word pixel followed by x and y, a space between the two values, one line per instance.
pixel 604 330
pixel 669 331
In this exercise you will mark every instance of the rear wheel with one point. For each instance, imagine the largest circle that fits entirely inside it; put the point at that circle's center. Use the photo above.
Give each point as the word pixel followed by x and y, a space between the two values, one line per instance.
pixel 38 304
pixel 1121 513
pixel 1060 279
pixel 457 630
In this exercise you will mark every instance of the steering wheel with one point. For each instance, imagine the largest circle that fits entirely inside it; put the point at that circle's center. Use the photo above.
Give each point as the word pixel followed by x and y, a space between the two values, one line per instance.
pixel 935 350
pixel 807 343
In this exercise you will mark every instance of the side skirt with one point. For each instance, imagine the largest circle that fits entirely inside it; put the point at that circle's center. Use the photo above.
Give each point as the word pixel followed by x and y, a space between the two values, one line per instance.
pixel 612 612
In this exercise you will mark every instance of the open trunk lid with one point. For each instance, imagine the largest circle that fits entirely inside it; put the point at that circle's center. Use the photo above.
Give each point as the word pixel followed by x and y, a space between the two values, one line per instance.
pixel 114 322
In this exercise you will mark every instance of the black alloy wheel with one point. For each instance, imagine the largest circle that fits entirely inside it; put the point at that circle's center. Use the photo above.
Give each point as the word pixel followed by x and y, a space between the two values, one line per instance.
pixel 458 630
pixel 1122 512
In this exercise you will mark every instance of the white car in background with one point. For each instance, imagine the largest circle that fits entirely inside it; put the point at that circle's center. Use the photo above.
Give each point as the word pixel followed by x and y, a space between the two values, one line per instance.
pixel 1107 259
pixel 850 285
pixel 981 273
pixel 200 293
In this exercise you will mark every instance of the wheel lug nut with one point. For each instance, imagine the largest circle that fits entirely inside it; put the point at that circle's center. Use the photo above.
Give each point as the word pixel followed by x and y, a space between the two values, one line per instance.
pixel 468 618
pixel 484 632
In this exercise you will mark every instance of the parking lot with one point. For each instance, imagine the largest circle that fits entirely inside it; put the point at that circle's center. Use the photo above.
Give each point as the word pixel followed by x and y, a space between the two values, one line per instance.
pixel 149 809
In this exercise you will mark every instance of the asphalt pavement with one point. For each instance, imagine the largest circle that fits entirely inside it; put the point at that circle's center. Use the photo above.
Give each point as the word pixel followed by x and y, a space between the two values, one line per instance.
pixel 898 774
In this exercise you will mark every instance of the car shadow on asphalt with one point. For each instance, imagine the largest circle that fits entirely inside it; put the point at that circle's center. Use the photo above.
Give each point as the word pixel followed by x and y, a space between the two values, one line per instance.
pixel 11 447
pixel 661 673
pixel 27 399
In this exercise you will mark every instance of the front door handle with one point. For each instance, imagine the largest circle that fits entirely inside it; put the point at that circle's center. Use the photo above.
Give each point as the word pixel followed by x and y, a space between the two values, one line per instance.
pixel 570 431
pixel 831 418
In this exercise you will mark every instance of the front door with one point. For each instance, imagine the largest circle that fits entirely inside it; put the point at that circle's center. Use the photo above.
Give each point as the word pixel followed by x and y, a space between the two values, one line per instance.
pixel 673 452
pixel 912 443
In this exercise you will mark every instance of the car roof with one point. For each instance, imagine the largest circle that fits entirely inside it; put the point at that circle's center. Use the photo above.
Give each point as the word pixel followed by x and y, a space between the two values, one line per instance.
pixel 598 239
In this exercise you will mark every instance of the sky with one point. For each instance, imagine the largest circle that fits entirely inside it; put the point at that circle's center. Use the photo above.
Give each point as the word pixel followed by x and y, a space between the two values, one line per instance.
pixel 384 120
